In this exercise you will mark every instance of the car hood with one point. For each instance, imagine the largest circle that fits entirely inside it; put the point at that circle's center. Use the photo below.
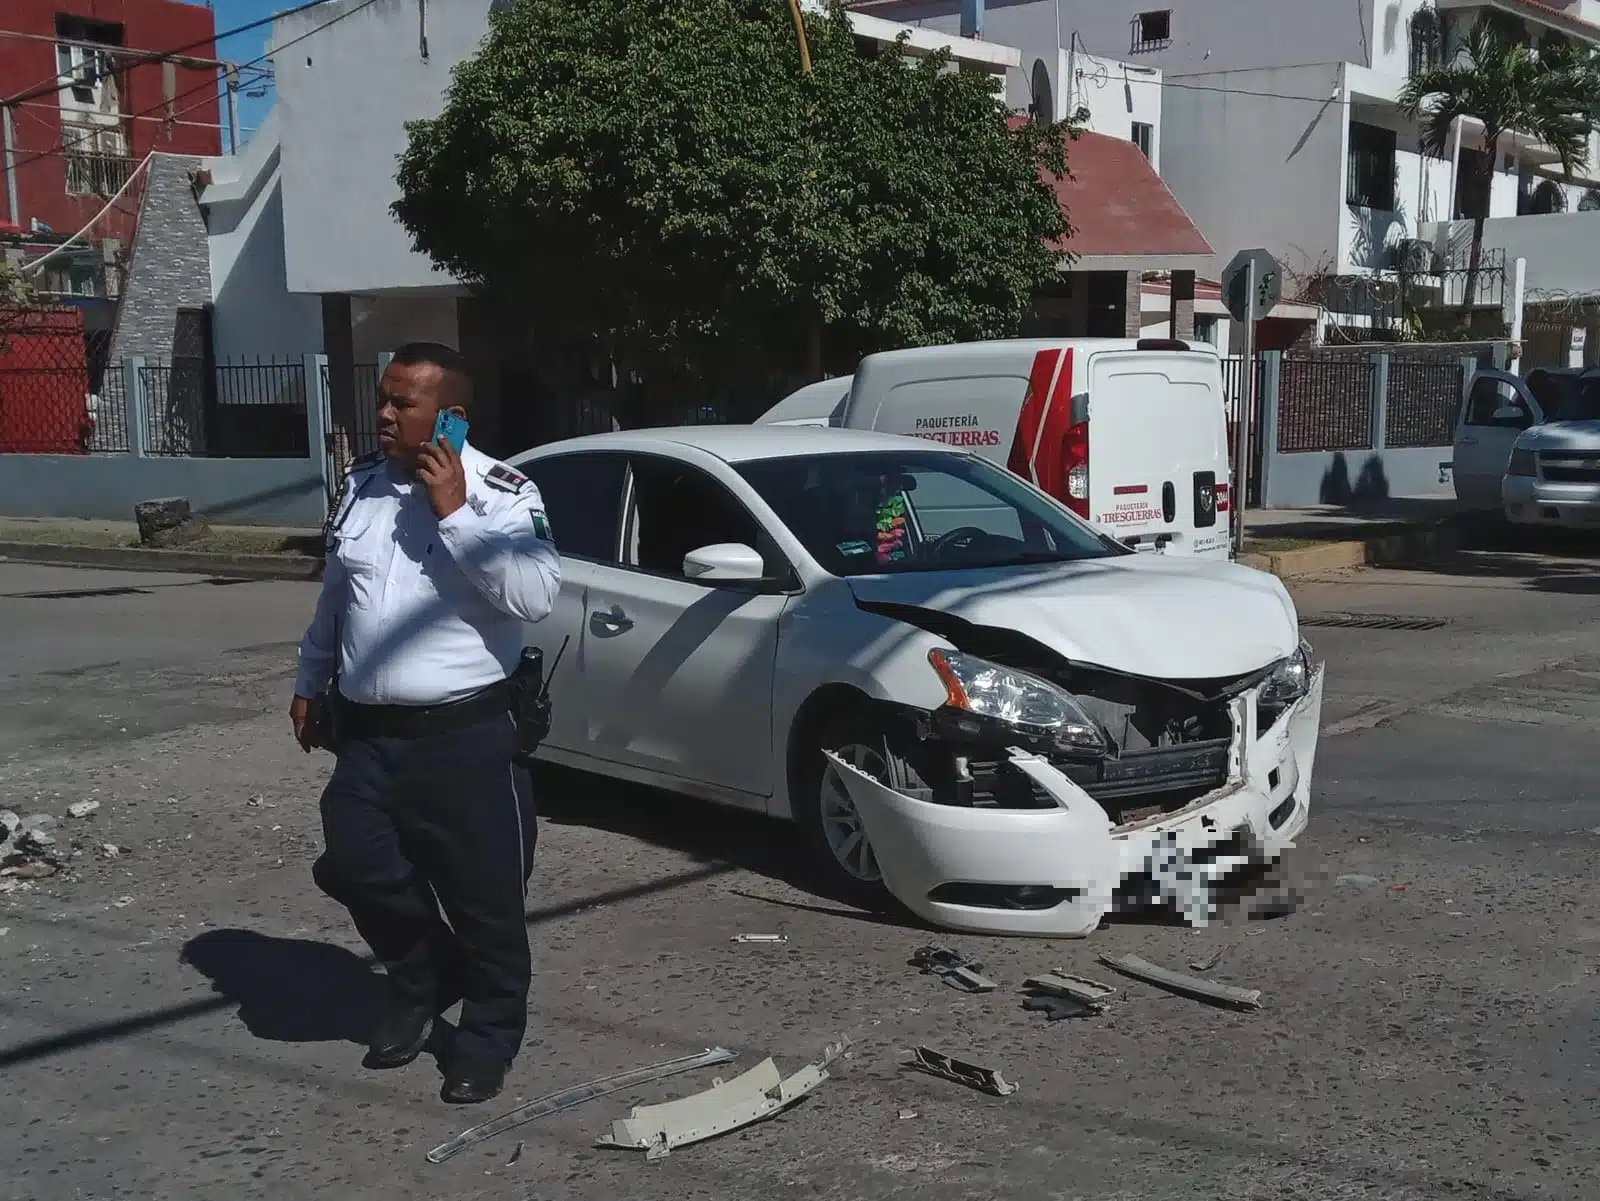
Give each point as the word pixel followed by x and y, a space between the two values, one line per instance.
pixel 1562 435
pixel 1150 615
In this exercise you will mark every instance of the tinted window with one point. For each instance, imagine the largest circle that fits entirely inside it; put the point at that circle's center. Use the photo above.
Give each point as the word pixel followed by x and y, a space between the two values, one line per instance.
pixel 677 509
pixel 582 496
pixel 1580 401
pixel 1488 396
pixel 890 511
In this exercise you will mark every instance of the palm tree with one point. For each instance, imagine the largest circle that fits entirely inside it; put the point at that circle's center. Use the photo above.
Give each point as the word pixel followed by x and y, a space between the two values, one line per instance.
pixel 1506 88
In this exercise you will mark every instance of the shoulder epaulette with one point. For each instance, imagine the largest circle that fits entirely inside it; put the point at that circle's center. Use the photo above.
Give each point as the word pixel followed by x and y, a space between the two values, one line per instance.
pixel 505 479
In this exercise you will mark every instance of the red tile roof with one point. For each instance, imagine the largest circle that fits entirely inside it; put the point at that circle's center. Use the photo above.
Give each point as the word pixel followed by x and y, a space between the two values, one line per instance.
pixel 1554 12
pixel 1118 206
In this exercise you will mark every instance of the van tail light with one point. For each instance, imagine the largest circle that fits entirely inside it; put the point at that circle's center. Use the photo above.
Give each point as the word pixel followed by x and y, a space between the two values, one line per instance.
pixel 1223 498
pixel 1075 468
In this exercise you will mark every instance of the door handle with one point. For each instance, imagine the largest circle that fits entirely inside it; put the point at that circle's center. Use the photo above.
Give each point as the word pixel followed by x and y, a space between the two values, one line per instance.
pixel 612 621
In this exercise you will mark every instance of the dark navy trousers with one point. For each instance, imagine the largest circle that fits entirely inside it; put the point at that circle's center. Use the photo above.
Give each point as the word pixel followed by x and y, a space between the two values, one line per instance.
pixel 413 826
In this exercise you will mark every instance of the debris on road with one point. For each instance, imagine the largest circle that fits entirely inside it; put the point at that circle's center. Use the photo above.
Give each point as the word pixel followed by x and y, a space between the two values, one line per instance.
pixel 11 822
pixel 82 808
pixel 1189 986
pixel 110 850
pixel 957 970
pixel 1078 988
pixel 1357 880
pixel 905 1114
pixel 1056 1009
pixel 1210 961
pixel 517 1154
pixel 31 869
pixel 760 1093
pixel 576 1095
pixel 759 938
pixel 985 1080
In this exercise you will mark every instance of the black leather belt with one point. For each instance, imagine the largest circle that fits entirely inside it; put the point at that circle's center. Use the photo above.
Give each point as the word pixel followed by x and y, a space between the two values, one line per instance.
pixel 355 720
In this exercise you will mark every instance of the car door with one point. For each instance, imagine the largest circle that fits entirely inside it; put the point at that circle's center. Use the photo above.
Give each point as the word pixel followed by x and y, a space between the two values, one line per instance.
pixel 679 671
pixel 582 494
pixel 1497 408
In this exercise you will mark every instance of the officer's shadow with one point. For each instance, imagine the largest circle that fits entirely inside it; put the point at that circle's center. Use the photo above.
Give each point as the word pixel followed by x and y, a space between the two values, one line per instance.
pixel 291 989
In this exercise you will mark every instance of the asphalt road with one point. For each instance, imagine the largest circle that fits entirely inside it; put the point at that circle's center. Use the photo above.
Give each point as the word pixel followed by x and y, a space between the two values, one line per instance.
pixel 183 1020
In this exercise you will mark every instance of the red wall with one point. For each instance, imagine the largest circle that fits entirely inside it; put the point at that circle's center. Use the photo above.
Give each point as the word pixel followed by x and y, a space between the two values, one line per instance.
pixel 149 25
pixel 44 382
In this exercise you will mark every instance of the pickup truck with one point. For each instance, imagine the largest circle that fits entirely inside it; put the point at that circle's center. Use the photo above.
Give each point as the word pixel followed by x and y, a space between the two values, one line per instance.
pixel 1529 446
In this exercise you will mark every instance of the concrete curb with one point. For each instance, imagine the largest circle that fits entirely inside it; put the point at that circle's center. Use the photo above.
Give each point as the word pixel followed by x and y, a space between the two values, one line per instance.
pixel 135 558
pixel 1402 545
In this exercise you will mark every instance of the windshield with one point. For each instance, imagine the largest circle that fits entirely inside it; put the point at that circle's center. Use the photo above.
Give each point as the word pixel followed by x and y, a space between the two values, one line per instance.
pixel 872 512
pixel 1578 400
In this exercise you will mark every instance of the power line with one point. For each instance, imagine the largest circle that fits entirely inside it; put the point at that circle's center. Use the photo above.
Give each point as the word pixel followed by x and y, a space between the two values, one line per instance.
pixel 66 146
pixel 140 58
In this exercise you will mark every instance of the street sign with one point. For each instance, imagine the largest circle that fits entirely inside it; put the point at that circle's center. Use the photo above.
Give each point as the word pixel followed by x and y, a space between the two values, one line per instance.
pixel 1251 285
pixel 1247 303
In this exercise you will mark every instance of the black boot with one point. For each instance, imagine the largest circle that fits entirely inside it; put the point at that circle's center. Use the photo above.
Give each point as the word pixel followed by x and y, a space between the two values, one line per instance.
pixel 400 1036
pixel 470 1081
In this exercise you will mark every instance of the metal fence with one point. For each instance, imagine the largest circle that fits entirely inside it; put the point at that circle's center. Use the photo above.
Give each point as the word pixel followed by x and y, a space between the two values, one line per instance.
pixel 350 418
pixel 195 409
pixel 1324 403
pixel 53 385
pixel 1233 384
pixel 1424 398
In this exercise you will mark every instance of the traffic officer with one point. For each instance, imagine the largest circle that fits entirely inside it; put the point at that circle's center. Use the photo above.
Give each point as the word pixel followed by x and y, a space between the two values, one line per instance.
pixel 434 561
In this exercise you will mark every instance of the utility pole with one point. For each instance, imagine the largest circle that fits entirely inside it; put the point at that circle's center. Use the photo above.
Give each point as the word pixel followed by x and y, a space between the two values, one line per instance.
pixel 232 76
pixel 13 212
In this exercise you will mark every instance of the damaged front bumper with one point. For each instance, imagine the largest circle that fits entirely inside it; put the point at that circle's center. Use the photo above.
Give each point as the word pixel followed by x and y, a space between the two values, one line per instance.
pixel 1057 870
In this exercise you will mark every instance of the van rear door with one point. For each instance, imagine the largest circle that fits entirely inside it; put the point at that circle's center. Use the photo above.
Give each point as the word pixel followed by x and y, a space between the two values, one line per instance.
pixel 1158 450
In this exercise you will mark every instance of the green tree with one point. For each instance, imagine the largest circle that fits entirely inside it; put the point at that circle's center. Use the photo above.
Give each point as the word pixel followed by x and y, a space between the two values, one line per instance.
pixel 1507 88
pixel 662 176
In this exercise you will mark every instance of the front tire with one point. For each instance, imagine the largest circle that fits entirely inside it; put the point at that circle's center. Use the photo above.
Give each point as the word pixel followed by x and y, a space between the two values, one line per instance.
pixel 827 816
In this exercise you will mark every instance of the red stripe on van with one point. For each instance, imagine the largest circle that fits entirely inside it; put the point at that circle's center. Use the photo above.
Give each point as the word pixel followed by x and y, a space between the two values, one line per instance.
pixel 1043 422
pixel 1130 490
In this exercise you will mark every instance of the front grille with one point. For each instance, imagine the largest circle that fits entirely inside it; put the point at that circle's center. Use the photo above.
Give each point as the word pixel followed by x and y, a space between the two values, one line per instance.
pixel 1134 785
pixel 1571 467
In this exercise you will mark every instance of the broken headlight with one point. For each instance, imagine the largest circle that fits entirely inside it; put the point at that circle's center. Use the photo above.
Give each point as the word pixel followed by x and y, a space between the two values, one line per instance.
pixel 1017 699
pixel 1289 681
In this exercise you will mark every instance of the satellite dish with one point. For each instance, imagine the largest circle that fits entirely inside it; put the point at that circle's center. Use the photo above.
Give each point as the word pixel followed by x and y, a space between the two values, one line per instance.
pixel 1043 106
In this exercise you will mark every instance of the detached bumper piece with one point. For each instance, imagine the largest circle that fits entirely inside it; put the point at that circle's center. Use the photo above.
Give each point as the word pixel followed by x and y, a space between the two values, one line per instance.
pixel 1188 986
pixel 957 970
pixel 760 1093
pixel 985 1080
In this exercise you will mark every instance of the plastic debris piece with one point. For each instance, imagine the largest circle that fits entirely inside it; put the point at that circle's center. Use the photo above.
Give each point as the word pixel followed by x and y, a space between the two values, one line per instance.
pixel 1057 1008
pixel 577 1095
pixel 759 938
pixel 985 1080
pixel 957 970
pixel 1079 988
pixel 517 1154
pixel 1189 986
pixel 1209 962
pixel 727 1105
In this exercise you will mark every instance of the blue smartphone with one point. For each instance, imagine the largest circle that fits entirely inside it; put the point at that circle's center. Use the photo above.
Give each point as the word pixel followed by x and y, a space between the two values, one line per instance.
pixel 452 429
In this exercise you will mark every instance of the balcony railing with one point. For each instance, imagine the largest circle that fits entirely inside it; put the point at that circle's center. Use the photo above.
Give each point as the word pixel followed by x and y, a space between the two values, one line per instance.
pixel 97 174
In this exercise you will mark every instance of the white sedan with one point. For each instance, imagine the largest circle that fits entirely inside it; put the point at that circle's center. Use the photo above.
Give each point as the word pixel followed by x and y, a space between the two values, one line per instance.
pixel 962 693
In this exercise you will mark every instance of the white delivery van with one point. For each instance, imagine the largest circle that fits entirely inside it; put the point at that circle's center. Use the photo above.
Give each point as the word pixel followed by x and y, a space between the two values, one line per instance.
pixel 1131 435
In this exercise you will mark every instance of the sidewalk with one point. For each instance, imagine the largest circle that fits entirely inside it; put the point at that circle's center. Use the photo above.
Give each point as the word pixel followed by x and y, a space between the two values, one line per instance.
pixel 1286 542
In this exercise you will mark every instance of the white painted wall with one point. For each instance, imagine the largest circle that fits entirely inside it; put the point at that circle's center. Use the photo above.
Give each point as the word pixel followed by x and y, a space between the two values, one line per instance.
pixel 1253 169
pixel 344 96
pixel 1560 248
pixel 1207 35
pixel 255 314
pixel 1115 94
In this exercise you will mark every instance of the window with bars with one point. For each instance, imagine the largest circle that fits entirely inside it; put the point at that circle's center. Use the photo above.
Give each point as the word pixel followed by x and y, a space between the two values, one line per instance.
pixel 1371 168
pixel 1152 31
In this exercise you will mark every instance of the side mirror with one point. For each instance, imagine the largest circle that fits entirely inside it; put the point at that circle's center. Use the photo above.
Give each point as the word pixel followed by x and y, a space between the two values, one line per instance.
pixel 724 563
pixel 1510 413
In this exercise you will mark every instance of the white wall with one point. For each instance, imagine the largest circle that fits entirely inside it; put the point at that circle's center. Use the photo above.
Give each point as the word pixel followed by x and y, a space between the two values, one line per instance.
pixel 1207 35
pixel 1116 95
pixel 255 314
pixel 1252 169
pixel 344 96
pixel 1422 193
pixel 1560 249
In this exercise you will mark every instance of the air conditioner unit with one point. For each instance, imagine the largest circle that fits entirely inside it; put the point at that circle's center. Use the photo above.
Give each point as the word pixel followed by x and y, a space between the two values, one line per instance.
pixel 1415 256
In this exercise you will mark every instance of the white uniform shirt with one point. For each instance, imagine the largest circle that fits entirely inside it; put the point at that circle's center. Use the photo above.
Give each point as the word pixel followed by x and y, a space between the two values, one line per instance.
pixel 419 611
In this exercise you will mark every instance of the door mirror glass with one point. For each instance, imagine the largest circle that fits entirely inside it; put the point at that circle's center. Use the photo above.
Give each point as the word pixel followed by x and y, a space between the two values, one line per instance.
pixel 1507 413
pixel 724 563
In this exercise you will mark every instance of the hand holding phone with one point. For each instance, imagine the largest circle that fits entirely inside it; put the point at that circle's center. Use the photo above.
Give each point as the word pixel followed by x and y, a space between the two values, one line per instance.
pixel 450 429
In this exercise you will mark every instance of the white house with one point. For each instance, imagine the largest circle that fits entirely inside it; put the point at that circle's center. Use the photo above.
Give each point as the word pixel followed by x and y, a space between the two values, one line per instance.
pixel 1281 128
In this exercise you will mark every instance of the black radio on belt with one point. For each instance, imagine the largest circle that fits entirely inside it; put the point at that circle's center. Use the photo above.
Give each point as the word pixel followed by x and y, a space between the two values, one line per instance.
pixel 533 713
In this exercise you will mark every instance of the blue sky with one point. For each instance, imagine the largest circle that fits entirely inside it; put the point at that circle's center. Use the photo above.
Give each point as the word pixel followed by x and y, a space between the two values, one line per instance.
pixel 246 46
